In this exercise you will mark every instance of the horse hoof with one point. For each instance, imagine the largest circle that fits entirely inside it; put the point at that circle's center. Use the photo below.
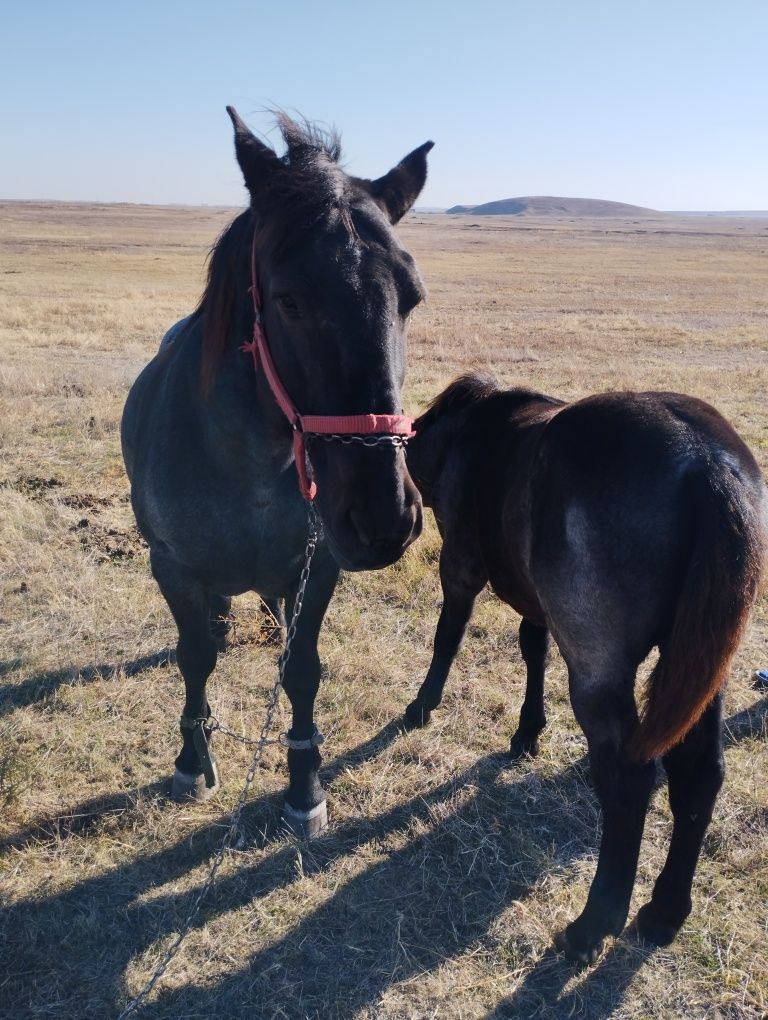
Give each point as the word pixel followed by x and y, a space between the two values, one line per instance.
pixel 306 824
pixel 654 929
pixel 185 786
pixel 519 748
pixel 585 954
pixel 416 716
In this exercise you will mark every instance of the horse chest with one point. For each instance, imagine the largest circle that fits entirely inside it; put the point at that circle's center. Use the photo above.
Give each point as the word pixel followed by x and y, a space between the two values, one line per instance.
pixel 246 543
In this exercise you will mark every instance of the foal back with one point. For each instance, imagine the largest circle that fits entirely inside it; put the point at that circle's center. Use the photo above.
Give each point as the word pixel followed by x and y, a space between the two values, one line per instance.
pixel 648 519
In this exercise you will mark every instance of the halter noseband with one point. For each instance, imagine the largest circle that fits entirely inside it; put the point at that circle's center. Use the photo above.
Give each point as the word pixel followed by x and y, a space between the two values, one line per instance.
pixel 305 425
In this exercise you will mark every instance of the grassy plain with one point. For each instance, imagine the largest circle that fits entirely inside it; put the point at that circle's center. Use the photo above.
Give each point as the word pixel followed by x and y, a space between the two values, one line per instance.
pixel 444 874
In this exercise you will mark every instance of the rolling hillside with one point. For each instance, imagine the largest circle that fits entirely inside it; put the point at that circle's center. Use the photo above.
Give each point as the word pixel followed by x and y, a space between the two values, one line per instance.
pixel 548 205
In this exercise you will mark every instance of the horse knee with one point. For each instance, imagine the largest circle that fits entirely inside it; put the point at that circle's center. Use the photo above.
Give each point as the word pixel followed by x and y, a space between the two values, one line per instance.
pixel 196 656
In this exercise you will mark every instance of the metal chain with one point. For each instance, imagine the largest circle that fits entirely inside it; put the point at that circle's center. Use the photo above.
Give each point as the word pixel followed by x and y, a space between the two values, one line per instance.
pixel 348 440
pixel 315 529
pixel 216 725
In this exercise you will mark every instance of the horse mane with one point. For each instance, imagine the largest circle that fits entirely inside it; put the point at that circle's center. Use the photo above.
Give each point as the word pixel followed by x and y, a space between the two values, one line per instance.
pixel 468 389
pixel 307 186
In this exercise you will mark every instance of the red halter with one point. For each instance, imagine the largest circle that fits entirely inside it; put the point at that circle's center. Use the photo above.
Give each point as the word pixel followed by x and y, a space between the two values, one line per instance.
pixel 304 425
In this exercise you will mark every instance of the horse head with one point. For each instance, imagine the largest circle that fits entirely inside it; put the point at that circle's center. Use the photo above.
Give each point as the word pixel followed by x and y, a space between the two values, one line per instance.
pixel 336 288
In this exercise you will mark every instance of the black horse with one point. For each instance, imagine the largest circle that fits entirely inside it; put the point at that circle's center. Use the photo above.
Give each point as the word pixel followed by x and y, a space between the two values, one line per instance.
pixel 209 453
pixel 618 523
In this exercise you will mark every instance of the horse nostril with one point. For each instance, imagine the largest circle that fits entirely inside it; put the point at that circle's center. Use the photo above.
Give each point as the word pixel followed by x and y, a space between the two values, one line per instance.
pixel 384 538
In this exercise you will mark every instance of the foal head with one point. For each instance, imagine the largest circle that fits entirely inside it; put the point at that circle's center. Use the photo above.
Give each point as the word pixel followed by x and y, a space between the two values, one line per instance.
pixel 439 428
pixel 337 288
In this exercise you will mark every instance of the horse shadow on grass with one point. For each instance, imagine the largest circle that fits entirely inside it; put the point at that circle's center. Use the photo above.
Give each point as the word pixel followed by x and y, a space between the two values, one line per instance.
pixel 41 685
pixel 440 869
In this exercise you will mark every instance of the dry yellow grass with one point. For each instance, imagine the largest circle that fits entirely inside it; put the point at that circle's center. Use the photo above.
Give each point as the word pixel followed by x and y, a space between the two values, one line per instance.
pixel 444 874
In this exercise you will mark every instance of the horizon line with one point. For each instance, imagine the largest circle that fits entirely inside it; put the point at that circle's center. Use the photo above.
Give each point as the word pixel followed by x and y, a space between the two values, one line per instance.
pixel 415 209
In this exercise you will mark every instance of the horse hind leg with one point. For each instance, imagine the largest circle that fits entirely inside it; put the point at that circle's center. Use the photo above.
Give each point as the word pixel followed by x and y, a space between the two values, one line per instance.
pixel 534 648
pixel 695 772
pixel 196 775
pixel 605 708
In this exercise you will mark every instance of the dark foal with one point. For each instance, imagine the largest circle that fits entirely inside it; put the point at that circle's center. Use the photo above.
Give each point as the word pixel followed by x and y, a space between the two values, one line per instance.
pixel 618 523
pixel 214 482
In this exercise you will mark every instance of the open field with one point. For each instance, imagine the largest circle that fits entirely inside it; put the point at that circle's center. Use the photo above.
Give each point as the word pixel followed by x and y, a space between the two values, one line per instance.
pixel 444 874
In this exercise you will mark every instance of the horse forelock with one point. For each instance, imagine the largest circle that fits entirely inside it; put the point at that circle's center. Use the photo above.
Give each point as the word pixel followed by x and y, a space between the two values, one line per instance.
pixel 304 139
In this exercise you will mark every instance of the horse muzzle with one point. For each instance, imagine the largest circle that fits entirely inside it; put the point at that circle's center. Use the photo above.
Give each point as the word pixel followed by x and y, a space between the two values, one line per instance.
pixel 370 507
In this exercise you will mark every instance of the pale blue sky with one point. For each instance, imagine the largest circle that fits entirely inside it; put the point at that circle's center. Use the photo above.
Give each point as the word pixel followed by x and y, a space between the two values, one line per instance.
pixel 656 103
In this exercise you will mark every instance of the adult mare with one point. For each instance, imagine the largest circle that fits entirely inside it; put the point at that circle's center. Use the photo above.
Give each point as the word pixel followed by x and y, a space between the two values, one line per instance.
pixel 618 523
pixel 209 453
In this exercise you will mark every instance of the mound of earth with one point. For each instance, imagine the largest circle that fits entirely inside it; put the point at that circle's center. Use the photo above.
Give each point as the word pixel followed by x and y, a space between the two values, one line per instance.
pixel 548 205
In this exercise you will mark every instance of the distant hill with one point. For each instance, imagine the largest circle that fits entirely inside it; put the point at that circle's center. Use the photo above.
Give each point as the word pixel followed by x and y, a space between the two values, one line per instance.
pixel 548 205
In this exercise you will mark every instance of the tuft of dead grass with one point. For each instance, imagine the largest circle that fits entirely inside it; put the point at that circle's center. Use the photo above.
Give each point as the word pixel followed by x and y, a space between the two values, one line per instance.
pixel 445 872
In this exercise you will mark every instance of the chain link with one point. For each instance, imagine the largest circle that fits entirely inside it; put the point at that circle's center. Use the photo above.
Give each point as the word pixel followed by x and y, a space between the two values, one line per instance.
pixel 215 725
pixel 315 530
pixel 348 440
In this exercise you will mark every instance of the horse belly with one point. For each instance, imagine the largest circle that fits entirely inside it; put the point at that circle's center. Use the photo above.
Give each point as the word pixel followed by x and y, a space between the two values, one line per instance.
pixel 513 587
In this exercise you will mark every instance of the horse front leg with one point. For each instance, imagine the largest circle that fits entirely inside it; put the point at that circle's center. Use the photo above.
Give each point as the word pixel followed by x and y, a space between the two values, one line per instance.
pixel 304 810
pixel 534 648
pixel 196 775
pixel 461 586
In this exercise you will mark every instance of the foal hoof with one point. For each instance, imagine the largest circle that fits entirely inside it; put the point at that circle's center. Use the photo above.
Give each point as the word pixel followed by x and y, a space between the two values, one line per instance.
pixel 520 748
pixel 416 716
pixel 185 786
pixel 576 949
pixel 653 928
pixel 305 824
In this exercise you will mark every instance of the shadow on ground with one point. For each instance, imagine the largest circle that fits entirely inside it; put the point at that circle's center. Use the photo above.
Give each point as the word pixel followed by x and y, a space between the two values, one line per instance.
pixel 41 685
pixel 464 852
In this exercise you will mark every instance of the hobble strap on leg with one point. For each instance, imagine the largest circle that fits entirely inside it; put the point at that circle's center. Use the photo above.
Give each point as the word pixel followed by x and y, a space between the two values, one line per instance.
pixel 200 743
pixel 302 745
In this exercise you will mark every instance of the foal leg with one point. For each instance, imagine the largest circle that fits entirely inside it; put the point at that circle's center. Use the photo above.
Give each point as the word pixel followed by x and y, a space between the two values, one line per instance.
pixel 534 647
pixel 606 712
pixel 695 770
pixel 461 586
pixel 196 775
pixel 305 809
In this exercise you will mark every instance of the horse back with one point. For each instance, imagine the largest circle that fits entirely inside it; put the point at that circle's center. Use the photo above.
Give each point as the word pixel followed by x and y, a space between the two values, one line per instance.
pixel 615 509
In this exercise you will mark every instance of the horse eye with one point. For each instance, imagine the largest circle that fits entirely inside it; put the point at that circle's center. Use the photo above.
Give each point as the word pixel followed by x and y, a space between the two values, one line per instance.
pixel 409 300
pixel 287 303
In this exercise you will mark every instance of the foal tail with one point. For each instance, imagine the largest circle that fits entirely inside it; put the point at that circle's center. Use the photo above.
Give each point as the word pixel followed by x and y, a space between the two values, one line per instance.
pixel 718 590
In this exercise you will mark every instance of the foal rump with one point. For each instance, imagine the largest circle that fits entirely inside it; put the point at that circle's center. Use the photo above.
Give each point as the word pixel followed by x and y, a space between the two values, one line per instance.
pixel 719 587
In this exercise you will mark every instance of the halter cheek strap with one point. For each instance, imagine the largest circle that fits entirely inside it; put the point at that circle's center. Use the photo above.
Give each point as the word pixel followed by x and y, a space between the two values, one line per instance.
pixel 304 425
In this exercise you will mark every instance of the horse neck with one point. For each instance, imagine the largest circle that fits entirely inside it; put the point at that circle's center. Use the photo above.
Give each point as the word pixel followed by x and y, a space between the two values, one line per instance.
pixel 486 449
pixel 242 419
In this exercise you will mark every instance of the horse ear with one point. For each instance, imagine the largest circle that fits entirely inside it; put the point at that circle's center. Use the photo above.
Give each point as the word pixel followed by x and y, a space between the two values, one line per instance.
pixel 255 158
pixel 399 189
